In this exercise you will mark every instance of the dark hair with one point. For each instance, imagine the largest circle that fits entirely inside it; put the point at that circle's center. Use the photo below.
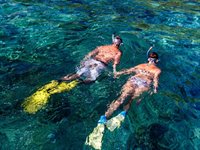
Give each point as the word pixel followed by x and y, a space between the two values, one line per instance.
pixel 153 55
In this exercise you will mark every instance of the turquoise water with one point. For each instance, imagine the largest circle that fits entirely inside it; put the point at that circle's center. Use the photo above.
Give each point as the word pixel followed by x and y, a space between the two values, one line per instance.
pixel 42 40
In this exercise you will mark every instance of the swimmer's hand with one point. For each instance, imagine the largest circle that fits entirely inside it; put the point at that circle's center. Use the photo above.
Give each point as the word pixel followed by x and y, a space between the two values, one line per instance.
pixel 155 90
pixel 117 74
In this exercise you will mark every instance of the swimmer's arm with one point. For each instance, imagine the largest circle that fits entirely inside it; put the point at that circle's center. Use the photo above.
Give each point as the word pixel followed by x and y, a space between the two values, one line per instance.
pixel 92 53
pixel 126 71
pixel 155 81
pixel 116 61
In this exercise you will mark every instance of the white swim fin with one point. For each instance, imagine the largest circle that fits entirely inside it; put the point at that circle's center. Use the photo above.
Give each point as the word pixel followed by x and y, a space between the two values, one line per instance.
pixel 95 138
pixel 115 122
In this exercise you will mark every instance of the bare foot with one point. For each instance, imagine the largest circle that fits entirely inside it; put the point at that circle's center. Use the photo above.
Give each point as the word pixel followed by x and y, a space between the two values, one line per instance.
pixel 67 77
pixel 70 77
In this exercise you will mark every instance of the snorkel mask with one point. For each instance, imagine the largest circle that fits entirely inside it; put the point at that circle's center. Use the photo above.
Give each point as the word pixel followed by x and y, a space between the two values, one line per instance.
pixel 153 56
pixel 117 40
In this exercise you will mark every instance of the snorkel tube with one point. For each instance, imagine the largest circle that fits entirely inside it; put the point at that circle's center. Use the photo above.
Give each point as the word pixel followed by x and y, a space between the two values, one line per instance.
pixel 117 40
pixel 150 58
pixel 113 37
pixel 149 51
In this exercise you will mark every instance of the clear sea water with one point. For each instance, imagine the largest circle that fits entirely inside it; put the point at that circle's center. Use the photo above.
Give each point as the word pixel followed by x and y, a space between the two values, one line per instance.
pixel 43 40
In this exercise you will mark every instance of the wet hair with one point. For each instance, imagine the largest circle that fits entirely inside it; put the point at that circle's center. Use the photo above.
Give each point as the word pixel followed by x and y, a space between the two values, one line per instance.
pixel 153 55
pixel 117 40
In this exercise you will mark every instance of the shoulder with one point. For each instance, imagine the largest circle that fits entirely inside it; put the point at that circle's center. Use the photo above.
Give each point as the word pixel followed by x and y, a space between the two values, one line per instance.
pixel 104 47
pixel 157 71
pixel 119 52
pixel 99 47
pixel 141 65
pixel 138 67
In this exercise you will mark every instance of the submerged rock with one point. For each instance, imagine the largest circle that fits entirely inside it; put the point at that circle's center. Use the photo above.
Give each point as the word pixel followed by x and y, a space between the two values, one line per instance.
pixel 157 131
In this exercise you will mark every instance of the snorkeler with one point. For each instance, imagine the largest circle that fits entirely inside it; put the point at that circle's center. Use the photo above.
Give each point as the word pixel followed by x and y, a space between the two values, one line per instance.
pixel 91 67
pixel 96 61
pixel 145 75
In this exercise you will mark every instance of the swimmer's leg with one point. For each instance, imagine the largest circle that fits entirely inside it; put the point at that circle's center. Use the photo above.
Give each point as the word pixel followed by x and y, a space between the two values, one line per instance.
pixel 77 76
pixel 115 104
pixel 88 81
pixel 127 106
pixel 137 93
pixel 70 77
pixel 115 122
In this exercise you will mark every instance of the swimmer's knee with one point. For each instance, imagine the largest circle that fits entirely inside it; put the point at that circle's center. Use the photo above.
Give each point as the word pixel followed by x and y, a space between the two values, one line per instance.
pixel 119 101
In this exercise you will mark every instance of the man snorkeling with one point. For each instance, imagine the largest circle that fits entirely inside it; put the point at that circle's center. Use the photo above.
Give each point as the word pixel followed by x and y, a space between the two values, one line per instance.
pixel 96 61
pixel 145 75
pixel 91 67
